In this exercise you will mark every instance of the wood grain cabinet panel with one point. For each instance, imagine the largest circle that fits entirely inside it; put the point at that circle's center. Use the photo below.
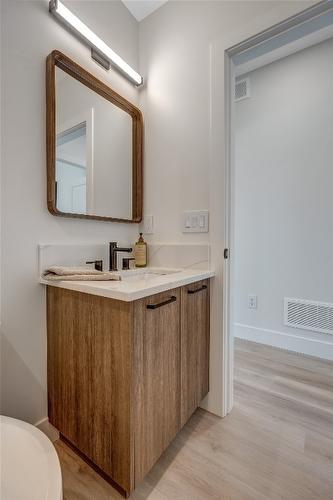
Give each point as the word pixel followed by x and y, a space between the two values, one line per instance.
pixel 123 377
pixel 157 337
pixel 194 346
pixel 89 369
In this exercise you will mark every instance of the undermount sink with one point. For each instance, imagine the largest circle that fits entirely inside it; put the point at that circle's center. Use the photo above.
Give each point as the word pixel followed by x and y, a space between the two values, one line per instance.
pixel 145 274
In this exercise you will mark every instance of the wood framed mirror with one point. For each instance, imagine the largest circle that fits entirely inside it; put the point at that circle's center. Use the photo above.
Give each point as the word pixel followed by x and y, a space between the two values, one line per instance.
pixel 94 142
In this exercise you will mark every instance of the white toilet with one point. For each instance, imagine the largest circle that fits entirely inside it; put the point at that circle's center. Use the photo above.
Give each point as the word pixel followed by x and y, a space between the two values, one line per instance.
pixel 30 468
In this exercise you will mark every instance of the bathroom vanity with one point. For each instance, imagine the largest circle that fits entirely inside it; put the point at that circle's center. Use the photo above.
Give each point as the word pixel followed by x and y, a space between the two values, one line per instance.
pixel 128 361
pixel 128 364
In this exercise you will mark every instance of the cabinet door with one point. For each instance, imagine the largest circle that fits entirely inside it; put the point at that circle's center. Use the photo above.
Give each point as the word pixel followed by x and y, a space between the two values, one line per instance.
pixel 194 346
pixel 89 374
pixel 157 377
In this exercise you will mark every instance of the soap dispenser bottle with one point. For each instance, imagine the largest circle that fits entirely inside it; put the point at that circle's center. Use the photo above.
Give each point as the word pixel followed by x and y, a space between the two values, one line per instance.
pixel 140 252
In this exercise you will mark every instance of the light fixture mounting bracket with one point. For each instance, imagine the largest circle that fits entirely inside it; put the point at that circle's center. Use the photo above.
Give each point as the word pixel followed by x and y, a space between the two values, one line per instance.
pixel 53 5
pixel 100 59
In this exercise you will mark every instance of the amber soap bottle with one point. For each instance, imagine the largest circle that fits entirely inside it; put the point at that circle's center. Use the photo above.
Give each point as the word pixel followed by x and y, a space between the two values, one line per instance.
pixel 140 252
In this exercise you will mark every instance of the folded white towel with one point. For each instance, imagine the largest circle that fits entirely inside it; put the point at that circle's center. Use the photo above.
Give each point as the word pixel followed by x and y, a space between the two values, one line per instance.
pixel 62 273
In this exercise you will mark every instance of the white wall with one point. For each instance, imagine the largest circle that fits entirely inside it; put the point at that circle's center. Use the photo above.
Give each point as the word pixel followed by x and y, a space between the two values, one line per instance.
pixel 175 59
pixel 182 48
pixel 29 34
pixel 283 197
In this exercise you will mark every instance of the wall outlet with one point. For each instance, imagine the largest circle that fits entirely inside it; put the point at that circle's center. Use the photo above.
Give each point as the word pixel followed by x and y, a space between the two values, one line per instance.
pixel 148 224
pixel 196 221
pixel 252 301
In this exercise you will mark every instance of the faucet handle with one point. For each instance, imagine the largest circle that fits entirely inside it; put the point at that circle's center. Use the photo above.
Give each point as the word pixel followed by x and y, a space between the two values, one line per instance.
pixel 126 263
pixel 98 264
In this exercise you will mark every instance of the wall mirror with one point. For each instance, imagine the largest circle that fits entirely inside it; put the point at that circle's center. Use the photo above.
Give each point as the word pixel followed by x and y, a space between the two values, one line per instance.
pixel 94 146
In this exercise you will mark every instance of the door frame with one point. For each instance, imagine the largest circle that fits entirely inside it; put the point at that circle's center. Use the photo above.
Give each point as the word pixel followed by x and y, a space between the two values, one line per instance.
pixel 228 265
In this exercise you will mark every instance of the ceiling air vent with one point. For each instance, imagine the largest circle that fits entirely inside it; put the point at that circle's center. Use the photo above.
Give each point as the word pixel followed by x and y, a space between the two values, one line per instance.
pixel 308 315
pixel 242 89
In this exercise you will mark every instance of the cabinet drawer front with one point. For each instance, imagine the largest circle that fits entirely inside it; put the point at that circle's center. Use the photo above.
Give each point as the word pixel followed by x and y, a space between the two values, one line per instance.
pixel 157 348
pixel 194 346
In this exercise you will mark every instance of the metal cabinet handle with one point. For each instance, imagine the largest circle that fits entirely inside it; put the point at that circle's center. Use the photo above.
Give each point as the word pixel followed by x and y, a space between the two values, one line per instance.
pixel 203 287
pixel 155 306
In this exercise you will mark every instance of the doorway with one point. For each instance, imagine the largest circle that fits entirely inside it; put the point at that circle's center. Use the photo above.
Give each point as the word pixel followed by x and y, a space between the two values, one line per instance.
pixel 271 208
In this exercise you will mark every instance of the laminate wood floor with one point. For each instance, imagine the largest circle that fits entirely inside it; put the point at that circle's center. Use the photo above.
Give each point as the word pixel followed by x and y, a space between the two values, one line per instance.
pixel 277 443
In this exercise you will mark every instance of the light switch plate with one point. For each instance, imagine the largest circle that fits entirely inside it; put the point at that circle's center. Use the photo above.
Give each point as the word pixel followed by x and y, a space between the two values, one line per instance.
pixel 148 224
pixel 196 221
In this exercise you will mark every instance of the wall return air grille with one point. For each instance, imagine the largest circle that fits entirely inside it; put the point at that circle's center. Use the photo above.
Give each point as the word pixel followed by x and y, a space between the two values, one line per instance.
pixel 308 315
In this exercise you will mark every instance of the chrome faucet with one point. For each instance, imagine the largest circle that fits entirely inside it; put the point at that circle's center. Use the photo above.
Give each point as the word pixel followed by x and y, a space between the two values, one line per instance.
pixel 113 250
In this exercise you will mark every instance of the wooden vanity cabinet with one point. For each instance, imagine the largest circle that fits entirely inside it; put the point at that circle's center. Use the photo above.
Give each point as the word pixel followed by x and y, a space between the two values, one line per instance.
pixel 124 377
pixel 157 377
pixel 90 369
pixel 194 346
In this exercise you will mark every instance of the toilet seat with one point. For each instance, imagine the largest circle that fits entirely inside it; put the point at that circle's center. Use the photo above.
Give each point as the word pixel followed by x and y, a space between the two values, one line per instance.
pixel 30 468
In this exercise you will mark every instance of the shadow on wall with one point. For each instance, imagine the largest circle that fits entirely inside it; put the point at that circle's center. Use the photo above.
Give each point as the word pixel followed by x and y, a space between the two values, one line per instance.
pixel 18 373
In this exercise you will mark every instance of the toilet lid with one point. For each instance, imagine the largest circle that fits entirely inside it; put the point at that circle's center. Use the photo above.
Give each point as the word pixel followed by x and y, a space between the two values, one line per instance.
pixel 30 468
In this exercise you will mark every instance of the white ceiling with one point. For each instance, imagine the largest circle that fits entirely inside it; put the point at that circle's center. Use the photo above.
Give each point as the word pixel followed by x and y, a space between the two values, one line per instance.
pixel 142 8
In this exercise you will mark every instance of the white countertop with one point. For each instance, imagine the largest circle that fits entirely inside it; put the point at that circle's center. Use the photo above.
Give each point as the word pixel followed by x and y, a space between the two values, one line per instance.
pixel 136 283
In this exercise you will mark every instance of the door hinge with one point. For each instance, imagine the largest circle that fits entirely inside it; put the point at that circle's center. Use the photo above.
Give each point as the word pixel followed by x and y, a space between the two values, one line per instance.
pixel 226 253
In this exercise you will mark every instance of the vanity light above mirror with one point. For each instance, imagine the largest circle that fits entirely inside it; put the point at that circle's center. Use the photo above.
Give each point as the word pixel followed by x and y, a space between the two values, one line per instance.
pixel 100 51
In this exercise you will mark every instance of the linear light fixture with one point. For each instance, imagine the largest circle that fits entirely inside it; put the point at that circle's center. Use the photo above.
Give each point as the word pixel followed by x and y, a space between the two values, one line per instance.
pixel 100 51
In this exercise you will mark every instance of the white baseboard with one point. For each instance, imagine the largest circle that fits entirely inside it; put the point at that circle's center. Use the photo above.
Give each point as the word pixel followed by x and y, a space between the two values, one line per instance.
pixel 290 342
pixel 48 429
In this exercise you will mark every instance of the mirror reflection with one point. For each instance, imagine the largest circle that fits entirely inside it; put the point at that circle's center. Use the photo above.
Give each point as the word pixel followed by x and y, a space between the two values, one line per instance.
pixel 93 152
pixel 71 169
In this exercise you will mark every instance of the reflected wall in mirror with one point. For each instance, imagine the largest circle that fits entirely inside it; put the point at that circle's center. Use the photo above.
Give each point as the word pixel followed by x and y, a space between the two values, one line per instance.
pixel 94 146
